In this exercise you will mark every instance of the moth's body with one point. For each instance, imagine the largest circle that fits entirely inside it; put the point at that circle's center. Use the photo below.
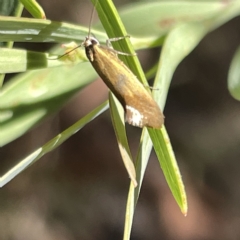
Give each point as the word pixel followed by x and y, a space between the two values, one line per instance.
pixel 140 108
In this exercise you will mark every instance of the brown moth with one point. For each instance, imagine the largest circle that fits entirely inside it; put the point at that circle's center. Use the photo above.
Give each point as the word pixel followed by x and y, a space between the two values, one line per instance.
pixel 140 108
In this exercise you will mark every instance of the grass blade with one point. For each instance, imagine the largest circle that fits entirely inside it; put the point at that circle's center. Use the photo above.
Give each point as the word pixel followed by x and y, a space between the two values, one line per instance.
pixel 51 145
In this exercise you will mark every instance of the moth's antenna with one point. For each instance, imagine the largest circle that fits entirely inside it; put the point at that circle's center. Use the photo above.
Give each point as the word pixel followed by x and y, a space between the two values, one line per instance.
pixel 65 54
pixel 91 19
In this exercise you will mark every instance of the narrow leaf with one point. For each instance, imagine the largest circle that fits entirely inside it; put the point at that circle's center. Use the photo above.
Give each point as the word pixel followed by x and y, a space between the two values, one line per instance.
pixel 40 93
pixel 234 76
pixel 51 145
pixel 117 115
pixel 19 60
pixel 34 8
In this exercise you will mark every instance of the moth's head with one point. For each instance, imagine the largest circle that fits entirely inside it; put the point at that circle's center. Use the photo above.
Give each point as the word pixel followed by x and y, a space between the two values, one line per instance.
pixel 89 41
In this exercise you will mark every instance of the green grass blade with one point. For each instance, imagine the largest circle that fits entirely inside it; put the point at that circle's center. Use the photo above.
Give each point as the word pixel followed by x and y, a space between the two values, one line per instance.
pixel 34 8
pixel 178 44
pixel 234 76
pixel 157 18
pixel 39 30
pixel 172 54
pixel 19 60
pixel 117 115
pixel 40 93
pixel 9 8
pixel 51 145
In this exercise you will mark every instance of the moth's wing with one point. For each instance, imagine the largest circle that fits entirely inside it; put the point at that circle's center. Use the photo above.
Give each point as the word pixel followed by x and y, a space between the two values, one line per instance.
pixel 142 110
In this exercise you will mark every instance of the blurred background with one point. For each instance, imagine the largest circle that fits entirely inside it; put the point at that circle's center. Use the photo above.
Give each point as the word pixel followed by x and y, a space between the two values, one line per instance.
pixel 79 191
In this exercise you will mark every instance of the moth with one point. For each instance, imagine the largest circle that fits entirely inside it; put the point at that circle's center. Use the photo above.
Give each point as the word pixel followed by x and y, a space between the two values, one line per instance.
pixel 140 108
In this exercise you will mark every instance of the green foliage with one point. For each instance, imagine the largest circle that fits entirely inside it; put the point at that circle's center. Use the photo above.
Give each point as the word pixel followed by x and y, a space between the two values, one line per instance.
pixel 31 96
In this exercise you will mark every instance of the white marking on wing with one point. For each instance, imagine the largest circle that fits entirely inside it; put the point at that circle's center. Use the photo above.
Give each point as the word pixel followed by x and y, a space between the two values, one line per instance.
pixel 135 118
